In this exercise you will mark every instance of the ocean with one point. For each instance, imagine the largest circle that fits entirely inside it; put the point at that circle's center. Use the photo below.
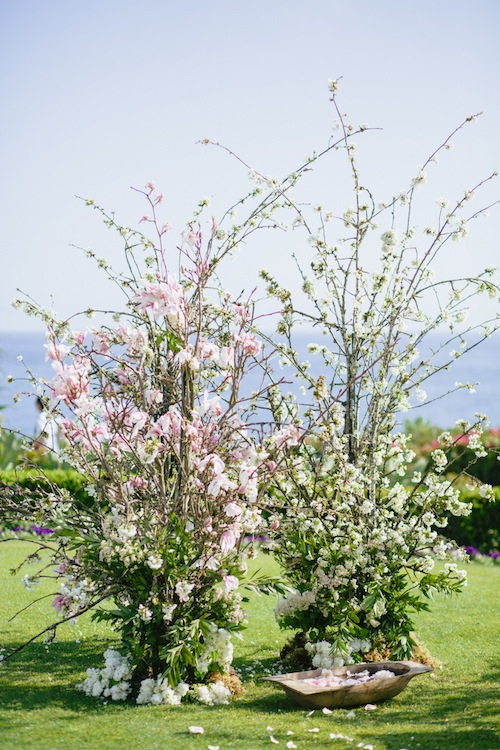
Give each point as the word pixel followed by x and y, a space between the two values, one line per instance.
pixel 481 365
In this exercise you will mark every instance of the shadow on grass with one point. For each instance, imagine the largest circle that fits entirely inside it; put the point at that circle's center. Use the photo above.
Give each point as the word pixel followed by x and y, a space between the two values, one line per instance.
pixel 41 676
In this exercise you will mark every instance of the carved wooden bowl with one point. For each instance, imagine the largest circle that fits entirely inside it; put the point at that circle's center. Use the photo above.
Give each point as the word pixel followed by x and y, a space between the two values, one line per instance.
pixel 339 696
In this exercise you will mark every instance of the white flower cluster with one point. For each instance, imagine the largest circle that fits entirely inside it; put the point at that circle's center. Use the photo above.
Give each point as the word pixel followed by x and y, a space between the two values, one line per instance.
pixel 295 602
pixel 217 642
pixel 156 692
pixel 213 694
pixel 110 682
pixel 113 681
pixel 324 656
pixel 120 540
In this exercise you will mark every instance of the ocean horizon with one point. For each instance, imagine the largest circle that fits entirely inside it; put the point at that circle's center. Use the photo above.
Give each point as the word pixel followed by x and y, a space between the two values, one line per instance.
pixel 480 366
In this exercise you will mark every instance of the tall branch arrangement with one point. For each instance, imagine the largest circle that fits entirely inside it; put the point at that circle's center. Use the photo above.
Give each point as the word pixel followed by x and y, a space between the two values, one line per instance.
pixel 190 445
pixel 357 530
pixel 155 417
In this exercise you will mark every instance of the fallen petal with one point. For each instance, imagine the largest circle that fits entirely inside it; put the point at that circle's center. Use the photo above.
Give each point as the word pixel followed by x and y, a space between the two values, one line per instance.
pixel 196 730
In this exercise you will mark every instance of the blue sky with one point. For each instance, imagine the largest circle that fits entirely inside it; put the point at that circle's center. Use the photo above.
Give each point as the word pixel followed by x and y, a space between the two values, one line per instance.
pixel 101 95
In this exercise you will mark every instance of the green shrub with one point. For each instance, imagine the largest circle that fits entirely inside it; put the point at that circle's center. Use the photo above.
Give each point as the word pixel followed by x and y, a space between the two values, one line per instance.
pixel 480 529
pixel 36 480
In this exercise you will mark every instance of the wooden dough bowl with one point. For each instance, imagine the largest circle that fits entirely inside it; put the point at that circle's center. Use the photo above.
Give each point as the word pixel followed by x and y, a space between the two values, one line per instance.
pixel 312 696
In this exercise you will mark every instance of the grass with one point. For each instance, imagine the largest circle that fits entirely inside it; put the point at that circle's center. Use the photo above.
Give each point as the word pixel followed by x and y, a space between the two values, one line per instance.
pixel 454 709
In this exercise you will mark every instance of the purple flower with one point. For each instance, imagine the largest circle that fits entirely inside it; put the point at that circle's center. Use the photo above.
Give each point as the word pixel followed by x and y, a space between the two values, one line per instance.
pixel 40 530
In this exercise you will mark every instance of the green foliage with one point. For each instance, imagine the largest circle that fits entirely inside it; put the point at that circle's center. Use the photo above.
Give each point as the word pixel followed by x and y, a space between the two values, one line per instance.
pixel 480 529
pixel 38 480
pixel 11 449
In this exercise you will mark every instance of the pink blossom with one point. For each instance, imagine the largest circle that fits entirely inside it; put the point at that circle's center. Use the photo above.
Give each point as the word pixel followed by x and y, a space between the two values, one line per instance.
pixel 228 540
pixel 220 483
pixel 165 299
pixel 61 602
pixel 289 436
pixel 226 357
pixel 230 583
pixel 70 381
pixel 153 396
pixel 210 405
pixel 136 420
pixel 213 460
pixel 190 237
pixel 249 343
pixel 79 336
pixel 101 342
pixel 187 357
pixel 233 510
pixel 83 404
pixel 208 523
pixel 208 350
pixel 57 351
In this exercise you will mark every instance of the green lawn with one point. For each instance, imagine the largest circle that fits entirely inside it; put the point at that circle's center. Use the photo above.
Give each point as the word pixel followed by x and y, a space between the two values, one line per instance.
pixel 456 708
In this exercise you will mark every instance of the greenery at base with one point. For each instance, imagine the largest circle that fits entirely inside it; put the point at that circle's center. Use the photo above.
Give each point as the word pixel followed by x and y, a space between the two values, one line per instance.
pixel 455 709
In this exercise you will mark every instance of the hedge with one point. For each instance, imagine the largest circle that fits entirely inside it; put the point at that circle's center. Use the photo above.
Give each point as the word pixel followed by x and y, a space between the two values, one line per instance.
pixel 480 529
pixel 35 479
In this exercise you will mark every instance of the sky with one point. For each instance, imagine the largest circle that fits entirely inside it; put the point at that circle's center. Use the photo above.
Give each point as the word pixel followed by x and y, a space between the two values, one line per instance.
pixel 104 95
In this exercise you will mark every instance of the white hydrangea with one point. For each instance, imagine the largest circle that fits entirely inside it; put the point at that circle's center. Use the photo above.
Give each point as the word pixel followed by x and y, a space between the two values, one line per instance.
pixel 324 656
pixel 159 692
pixel 214 694
pixel 110 682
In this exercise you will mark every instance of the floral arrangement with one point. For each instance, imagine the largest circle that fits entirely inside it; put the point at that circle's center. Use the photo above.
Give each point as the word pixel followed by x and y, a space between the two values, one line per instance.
pixel 175 461
pixel 189 443
pixel 357 530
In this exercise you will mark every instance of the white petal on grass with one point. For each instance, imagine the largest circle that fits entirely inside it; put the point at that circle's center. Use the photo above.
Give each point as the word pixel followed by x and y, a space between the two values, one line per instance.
pixel 274 740
pixel 309 714
pixel 196 730
pixel 291 745
pixel 370 707
pixel 314 729
pixel 326 711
